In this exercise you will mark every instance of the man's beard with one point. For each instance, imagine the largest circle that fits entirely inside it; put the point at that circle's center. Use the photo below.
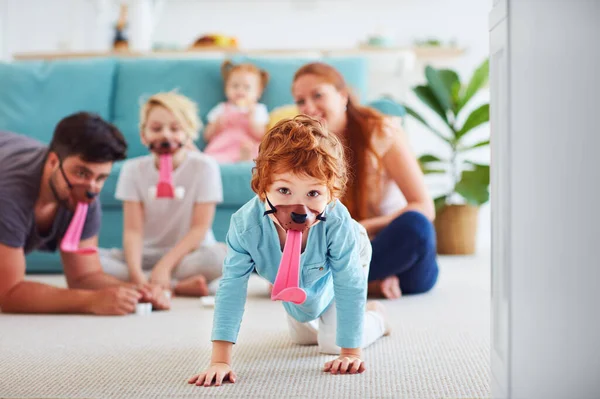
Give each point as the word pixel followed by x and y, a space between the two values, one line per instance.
pixel 61 201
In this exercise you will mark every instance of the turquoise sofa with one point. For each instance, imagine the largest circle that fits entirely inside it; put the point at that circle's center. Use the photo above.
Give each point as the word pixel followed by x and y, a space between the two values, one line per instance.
pixel 35 95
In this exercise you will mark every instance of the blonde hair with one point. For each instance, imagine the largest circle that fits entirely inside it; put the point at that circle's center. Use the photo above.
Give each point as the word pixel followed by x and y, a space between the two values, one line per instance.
pixel 184 110
pixel 301 145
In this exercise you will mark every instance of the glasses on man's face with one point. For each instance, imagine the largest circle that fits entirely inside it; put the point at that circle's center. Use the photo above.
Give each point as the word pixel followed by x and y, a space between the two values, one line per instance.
pixel 81 182
pixel 79 176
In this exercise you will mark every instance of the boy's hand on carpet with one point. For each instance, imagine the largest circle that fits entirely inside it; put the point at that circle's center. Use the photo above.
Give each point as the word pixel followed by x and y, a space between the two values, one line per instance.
pixel 119 301
pixel 345 365
pixel 217 372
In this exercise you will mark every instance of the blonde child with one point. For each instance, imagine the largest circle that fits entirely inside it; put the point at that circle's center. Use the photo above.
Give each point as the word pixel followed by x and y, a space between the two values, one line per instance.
pixel 300 166
pixel 167 239
pixel 235 127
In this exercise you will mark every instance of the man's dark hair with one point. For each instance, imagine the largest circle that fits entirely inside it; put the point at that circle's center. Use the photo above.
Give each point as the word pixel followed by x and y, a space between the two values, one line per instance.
pixel 90 137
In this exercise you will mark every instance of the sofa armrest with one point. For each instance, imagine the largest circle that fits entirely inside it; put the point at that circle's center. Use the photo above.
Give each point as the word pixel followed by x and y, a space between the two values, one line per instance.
pixel 388 106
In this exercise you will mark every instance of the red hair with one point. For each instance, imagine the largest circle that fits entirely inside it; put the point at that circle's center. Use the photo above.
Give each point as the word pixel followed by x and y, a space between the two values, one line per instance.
pixel 362 122
pixel 228 68
pixel 301 146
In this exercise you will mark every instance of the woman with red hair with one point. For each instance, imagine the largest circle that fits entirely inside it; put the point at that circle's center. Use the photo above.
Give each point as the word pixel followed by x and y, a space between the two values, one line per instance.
pixel 387 193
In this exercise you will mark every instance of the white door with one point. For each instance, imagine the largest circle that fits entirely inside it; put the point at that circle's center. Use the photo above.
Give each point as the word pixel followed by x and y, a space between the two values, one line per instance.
pixel 500 197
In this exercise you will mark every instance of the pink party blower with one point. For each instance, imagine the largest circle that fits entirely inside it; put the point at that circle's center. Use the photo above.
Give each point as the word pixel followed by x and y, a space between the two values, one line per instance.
pixel 70 241
pixel 164 188
pixel 165 151
pixel 295 219
pixel 287 283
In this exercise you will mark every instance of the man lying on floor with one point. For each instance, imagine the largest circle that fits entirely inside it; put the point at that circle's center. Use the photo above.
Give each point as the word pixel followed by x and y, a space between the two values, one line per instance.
pixel 40 188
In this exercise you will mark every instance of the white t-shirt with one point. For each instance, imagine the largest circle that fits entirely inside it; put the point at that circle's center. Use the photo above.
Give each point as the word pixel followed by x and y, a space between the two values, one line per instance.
pixel 167 221
pixel 261 114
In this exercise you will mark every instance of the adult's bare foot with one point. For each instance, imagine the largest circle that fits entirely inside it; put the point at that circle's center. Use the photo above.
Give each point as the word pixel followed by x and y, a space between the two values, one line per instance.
pixel 378 307
pixel 192 286
pixel 387 288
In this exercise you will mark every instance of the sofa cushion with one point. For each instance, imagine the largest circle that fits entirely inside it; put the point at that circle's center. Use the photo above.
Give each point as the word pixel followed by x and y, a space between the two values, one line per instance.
pixel 36 95
pixel 107 195
pixel 388 106
pixel 138 79
pixel 236 183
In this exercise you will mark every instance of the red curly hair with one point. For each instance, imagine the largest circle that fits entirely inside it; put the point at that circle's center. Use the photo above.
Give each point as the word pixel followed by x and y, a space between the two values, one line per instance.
pixel 301 145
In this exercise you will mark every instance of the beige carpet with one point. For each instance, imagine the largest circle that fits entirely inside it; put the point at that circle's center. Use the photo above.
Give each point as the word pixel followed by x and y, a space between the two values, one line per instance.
pixel 439 348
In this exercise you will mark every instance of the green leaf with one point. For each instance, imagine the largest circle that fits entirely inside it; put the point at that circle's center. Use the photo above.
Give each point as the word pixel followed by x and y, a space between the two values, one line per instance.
pixel 474 194
pixel 474 184
pixel 452 82
pixel 418 117
pixel 478 80
pixel 480 144
pixel 427 171
pixel 439 203
pixel 441 86
pixel 479 116
pixel 478 172
pixel 429 158
pixel 426 95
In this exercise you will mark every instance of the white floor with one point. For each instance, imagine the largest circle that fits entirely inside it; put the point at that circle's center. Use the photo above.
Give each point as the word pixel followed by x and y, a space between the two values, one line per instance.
pixel 439 348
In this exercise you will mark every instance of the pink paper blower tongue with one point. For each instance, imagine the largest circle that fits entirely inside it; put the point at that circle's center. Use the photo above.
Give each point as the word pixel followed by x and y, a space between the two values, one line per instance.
pixel 70 242
pixel 165 188
pixel 286 287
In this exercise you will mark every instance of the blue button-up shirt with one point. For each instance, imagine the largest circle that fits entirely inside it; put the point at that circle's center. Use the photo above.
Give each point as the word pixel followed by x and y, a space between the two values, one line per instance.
pixel 329 269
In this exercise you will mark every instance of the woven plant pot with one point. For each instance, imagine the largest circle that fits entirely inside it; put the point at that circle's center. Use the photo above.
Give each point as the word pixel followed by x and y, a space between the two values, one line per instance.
pixel 456 229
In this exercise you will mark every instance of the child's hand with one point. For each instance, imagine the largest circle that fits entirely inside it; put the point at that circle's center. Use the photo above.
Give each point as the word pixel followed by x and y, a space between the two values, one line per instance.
pixel 155 295
pixel 138 278
pixel 161 276
pixel 345 364
pixel 218 372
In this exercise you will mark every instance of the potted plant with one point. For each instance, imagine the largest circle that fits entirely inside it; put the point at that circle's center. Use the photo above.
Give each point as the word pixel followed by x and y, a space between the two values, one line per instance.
pixel 458 208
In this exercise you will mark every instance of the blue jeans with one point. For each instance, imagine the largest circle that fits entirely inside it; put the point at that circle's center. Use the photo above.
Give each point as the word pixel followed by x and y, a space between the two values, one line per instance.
pixel 406 248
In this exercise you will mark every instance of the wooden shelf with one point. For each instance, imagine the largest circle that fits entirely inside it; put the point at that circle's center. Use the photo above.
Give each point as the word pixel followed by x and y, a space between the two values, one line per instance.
pixel 420 52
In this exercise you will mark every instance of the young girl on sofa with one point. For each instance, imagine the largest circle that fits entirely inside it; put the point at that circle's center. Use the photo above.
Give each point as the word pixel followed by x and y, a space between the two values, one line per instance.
pixel 235 127
pixel 300 168
pixel 167 239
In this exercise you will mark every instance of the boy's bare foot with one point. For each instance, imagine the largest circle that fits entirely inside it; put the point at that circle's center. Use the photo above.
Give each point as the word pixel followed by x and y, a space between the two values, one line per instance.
pixel 387 288
pixel 378 307
pixel 192 286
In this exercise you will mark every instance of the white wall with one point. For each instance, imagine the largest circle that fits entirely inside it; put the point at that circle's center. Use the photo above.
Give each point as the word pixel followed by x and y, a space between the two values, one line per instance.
pixel 31 25
pixel 328 23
